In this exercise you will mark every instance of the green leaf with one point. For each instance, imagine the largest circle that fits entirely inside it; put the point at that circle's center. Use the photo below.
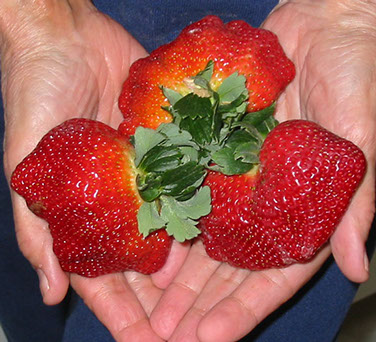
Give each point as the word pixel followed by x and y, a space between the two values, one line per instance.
pixel 189 154
pixel 183 180
pixel 257 127
pixel 267 125
pixel 228 164
pixel 256 118
pixel 239 137
pixel 232 88
pixel 197 206
pixel 171 95
pixel 181 229
pixel 176 136
pixel 202 83
pixel 160 158
pixel 239 153
pixel 234 108
pixel 172 177
pixel 149 219
pixel 201 130
pixel 178 217
pixel 149 186
pixel 253 131
pixel 193 106
pixel 207 73
pixel 144 140
pixel 204 155
pixel 181 215
pixel 248 152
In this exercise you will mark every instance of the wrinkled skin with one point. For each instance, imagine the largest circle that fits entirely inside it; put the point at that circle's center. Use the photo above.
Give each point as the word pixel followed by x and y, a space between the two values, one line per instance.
pixel 55 66
pixel 336 81
pixel 333 44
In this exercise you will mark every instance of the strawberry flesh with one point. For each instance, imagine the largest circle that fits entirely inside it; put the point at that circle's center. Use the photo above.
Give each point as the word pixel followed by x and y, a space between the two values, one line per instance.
pixel 81 180
pixel 235 46
pixel 218 84
pixel 288 209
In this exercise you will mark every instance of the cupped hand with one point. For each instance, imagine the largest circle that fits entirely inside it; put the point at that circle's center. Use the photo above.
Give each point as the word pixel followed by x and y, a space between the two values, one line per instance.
pixel 62 59
pixel 332 44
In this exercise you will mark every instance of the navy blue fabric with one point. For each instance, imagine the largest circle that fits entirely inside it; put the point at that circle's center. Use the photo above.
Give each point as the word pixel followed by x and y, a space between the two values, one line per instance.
pixel 154 23
pixel 82 325
pixel 314 314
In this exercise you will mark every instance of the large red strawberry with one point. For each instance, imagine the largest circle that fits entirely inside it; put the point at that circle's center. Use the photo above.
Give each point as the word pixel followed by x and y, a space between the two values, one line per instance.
pixel 233 47
pixel 82 178
pixel 263 217
pixel 102 196
pixel 285 210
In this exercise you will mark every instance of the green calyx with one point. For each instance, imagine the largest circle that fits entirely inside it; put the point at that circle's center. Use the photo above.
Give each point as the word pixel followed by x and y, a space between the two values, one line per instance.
pixel 179 218
pixel 219 124
pixel 169 181
pixel 211 130
pixel 168 164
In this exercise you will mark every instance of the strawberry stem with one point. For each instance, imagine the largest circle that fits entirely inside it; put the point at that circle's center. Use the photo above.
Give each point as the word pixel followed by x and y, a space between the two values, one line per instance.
pixel 210 130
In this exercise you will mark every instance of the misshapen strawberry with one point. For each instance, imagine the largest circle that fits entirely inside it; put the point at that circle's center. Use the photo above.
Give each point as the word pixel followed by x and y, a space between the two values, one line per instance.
pixel 106 200
pixel 236 46
pixel 84 179
pixel 81 180
pixel 286 210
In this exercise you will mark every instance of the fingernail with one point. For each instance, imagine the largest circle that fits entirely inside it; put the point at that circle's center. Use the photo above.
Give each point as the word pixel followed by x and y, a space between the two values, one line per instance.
pixel 43 282
pixel 366 262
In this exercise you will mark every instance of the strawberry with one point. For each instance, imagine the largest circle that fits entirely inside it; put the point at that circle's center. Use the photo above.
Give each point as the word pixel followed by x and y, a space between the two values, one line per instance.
pixel 236 46
pixel 91 185
pixel 284 210
pixel 281 211
pixel 278 190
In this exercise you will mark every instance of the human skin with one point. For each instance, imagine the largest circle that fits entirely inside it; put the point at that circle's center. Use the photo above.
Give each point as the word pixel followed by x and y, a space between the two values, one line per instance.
pixel 55 66
pixel 333 44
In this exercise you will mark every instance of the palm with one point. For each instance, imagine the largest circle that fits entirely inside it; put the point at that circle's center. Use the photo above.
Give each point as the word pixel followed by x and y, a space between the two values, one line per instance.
pixel 334 77
pixel 331 87
pixel 327 59
pixel 72 65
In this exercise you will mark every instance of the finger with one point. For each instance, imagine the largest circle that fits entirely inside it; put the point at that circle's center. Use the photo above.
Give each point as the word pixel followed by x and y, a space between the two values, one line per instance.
pixel 183 291
pixel 80 5
pixel 222 283
pixel 348 241
pixel 35 243
pixel 143 286
pixel 114 303
pixel 178 254
pixel 258 295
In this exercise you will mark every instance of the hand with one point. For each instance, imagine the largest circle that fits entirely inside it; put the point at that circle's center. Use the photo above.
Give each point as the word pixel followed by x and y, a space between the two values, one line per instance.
pixel 63 59
pixel 332 44
pixel 333 51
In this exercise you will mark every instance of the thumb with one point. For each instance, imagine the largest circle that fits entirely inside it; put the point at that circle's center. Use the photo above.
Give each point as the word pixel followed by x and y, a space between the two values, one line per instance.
pixel 348 241
pixel 35 242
